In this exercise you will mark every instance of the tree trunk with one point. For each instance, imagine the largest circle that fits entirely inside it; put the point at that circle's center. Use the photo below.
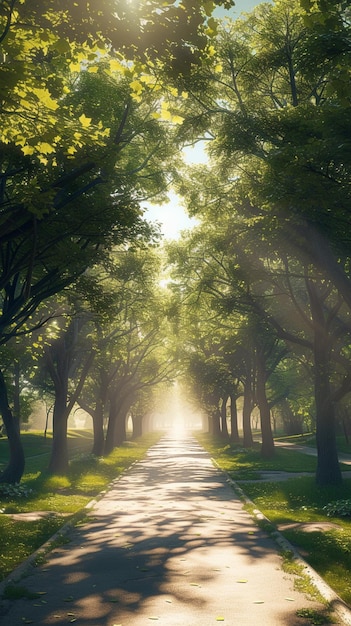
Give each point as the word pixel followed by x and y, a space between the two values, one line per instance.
pixel 120 431
pixel 109 441
pixel 328 468
pixel 13 472
pixel 98 429
pixel 137 421
pixel 247 407
pixel 267 447
pixel 223 418
pixel 234 430
pixel 59 452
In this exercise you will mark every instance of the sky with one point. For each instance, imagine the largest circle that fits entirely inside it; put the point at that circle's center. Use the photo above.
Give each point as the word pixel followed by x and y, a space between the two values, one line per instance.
pixel 172 216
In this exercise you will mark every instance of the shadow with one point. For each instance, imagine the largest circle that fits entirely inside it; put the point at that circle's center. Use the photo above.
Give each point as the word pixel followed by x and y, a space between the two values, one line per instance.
pixel 161 540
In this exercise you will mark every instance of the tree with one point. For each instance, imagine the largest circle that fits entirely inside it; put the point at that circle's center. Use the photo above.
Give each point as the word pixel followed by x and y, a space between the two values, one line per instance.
pixel 276 120
pixel 54 156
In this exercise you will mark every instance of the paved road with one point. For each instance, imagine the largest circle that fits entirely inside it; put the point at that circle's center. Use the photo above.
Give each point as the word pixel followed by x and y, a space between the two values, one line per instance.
pixel 169 543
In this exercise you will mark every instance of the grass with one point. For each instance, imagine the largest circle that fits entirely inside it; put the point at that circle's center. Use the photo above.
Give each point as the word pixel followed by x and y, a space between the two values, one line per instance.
pixel 309 440
pixel 295 502
pixel 62 496
pixel 246 464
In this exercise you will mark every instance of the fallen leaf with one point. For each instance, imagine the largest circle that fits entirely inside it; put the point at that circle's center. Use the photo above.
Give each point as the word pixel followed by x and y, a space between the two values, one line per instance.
pixel 219 619
pixel 290 599
pixel 258 601
pixel 242 580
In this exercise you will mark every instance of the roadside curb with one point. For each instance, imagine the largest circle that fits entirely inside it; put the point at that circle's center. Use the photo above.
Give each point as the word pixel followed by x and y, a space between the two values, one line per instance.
pixel 337 605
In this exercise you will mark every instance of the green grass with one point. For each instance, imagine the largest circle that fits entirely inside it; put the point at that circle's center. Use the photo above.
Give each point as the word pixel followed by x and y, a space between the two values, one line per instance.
pixel 297 500
pixel 309 440
pixel 63 496
pixel 243 463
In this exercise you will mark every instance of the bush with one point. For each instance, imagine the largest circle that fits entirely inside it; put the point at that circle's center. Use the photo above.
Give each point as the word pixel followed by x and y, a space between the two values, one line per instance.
pixel 14 491
pixel 338 508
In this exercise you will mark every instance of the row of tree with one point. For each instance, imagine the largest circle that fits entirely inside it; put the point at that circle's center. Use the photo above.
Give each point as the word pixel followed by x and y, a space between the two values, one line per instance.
pixel 86 138
pixel 94 112
pixel 265 278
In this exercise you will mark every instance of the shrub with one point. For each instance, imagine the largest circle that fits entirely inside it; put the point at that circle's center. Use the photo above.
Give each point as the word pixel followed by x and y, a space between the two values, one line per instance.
pixel 338 508
pixel 10 492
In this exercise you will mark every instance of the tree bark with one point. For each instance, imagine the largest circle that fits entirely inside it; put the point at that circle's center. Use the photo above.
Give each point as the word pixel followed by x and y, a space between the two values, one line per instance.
pixel 13 472
pixel 109 440
pixel 223 418
pixel 98 429
pixel 234 430
pixel 137 421
pixel 267 447
pixel 328 468
pixel 59 452
pixel 120 431
pixel 247 408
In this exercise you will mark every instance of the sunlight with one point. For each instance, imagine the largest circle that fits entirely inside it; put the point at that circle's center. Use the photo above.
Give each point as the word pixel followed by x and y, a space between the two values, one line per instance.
pixel 175 412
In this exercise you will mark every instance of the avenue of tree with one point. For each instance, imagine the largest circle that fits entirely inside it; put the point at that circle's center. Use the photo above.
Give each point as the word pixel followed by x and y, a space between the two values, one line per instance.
pixel 251 309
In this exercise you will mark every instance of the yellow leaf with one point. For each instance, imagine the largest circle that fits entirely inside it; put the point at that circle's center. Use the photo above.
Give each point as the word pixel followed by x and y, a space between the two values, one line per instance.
pixel 45 148
pixel 136 86
pixel 45 98
pixel 178 119
pixel 116 66
pixel 84 120
pixel 27 149
pixel 74 67
pixel 92 69
pixel 136 97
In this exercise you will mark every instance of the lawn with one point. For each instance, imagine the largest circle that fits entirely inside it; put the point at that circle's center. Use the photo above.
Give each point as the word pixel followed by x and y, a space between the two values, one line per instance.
pixel 62 496
pixel 293 505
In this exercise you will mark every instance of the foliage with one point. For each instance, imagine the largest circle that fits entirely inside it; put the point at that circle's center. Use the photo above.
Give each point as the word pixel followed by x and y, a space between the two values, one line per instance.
pixel 13 492
pixel 338 508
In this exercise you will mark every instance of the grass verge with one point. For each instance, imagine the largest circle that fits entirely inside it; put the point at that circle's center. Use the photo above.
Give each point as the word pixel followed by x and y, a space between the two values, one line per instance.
pixel 296 507
pixel 58 498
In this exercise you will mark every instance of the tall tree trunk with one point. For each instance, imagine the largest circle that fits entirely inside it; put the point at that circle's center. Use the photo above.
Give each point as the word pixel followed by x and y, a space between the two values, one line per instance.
pixel 224 424
pixel 16 395
pixel 234 430
pixel 267 448
pixel 328 468
pixel 98 429
pixel 137 421
pixel 59 452
pixel 120 432
pixel 13 472
pixel 247 408
pixel 110 433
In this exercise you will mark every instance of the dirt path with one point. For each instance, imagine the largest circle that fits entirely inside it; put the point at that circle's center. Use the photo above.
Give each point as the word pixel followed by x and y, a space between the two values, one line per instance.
pixel 170 544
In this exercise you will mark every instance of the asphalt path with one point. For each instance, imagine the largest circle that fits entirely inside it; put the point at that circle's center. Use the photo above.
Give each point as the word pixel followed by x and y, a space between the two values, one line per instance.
pixel 168 543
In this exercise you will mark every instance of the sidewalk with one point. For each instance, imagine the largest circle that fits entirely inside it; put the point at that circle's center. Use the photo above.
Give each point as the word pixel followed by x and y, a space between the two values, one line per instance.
pixel 169 543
